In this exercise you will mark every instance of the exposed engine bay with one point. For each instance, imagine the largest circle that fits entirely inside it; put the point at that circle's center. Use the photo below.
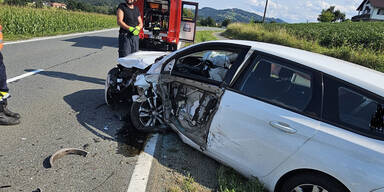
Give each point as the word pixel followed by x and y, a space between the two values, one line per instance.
pixel 163 100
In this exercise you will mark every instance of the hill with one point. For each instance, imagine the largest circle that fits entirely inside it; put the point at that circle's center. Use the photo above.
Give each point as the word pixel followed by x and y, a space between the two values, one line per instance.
pixel 235 15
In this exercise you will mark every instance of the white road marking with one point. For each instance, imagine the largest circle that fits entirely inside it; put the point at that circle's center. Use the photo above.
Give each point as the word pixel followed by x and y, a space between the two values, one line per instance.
pixel 142 169
pixel 139 179
pixel 58 36
pixel 24 75
pixel 47 38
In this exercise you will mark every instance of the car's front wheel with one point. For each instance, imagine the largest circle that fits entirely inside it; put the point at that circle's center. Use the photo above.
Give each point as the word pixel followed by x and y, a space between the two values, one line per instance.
pixel 148 115
pixel 310 182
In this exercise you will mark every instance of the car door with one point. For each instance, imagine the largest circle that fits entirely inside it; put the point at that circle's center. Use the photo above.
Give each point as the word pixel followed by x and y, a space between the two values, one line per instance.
pixel 194 86
pixel 266 116
pixel 188 21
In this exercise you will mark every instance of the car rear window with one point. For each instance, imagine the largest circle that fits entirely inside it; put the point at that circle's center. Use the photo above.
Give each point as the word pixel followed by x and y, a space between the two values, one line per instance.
pixel 353 108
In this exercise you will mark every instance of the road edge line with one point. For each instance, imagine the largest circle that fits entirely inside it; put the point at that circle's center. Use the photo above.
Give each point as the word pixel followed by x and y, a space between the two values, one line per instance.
pixel 140 175
pixel 24 75
pixel 57 36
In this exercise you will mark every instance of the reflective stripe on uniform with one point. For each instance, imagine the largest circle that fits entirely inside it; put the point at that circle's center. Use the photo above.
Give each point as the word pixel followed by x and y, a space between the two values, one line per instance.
pixel 1 37
pixel 4 95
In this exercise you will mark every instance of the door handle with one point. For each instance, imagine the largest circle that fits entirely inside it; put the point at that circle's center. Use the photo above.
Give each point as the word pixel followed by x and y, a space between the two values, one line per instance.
pixel 283 127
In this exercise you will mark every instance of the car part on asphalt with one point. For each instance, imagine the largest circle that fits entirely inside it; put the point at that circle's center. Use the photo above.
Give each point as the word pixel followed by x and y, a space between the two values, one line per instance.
pixel 66 151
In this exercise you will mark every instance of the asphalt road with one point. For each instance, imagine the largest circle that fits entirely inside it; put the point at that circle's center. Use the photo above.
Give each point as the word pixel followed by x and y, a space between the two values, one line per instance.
pixel 62 107
pixel 201 28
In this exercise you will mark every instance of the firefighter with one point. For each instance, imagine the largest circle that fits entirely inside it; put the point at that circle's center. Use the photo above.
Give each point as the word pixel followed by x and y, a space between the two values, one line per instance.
pixel 130 22
pixel 7 117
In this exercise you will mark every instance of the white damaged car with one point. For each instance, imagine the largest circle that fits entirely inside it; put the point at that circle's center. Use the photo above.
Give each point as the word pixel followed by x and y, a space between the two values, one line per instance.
pixel 296 120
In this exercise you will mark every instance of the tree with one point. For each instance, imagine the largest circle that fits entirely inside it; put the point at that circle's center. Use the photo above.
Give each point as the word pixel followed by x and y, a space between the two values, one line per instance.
pixel 207 22
pixel 188 13
pixel 210 21
pixel 331 15
pixel 39 4
pixel 339 16
pixel 16 2
pixel 226 22
pixel 252 20
pixel 71 5
pixel 326 16
pixel 202 22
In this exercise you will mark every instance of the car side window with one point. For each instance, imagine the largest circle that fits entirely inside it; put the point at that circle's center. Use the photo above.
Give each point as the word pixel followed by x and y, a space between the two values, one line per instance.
pixel 352 108
pixel 277 83
pixel 208 64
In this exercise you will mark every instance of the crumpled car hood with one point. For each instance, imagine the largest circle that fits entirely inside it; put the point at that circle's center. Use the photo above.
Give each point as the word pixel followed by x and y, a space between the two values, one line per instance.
pixel 141 59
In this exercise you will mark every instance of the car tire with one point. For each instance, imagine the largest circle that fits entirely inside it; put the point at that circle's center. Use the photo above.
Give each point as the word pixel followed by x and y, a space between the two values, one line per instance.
pixel 109 96
pixel 310 181
pixel 141 123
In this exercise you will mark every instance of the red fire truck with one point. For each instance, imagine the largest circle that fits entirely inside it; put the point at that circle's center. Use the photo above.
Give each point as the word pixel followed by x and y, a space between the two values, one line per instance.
pixel 167 22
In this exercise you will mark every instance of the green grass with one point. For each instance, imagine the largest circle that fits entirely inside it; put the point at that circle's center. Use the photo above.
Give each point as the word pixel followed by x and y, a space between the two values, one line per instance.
pixel 24 22
pixel 185 184
pixel 231 181
pixel 189 184
pixel 280 34
pixel 351 34
pixel 202 36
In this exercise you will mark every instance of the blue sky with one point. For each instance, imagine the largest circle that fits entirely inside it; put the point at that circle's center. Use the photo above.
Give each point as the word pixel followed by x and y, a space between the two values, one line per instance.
pixel 292 11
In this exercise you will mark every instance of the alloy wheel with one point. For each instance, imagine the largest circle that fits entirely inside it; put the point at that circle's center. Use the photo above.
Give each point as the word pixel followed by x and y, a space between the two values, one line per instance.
pixel 151 112
pixel 309 188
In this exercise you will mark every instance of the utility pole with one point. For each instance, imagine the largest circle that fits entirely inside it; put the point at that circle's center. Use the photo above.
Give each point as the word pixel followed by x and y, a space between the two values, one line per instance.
pixel 265 10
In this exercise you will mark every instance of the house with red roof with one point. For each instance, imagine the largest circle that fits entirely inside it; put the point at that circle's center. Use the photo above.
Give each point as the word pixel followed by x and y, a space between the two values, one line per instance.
pixel 370 10
pixel 59 5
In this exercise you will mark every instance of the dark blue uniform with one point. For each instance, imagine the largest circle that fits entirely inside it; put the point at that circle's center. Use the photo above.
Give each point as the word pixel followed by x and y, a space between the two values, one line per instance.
pixel 3 76
pixel 128 43
pixel 7 117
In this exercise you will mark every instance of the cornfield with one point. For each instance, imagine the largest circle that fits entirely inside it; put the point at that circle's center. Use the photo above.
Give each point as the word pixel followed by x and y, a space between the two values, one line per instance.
pixel 360 43
pixel 29 22
pixel 352 34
